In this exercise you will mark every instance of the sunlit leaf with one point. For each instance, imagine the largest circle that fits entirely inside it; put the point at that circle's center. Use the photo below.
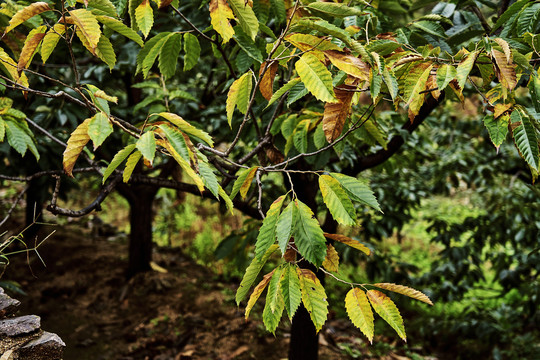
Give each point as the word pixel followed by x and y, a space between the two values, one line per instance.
pixel 316 77
pixel 28 12
pixel 131 163
pixel 404 290
pixel 99 129
pixel 348 241
pixel 386 308
pixel 359 311
pixel 246 17
pixel 144 16
pixel 331 261
pixel 117 160
pixel 337 201
pixel 313 297
pixel 75 144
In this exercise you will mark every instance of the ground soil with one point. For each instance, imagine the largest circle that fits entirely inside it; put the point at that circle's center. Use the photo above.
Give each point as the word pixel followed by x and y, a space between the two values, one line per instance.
pixel 187 312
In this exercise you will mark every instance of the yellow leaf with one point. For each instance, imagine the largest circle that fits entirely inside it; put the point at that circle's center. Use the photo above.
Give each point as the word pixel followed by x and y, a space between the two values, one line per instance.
pixel 220 14
pixel 257 291
pixel 404 290
pixel 505 70
pixel 247 182
pixel 386 308
pixel 27 13
pixel 349 64
pixel 348 241
pixel 238 95
pixel 11 67
pixel 266 85
pixel 50 40
pixel 183 164
pixel 30 45
pixel 331 262
pixel 336 113
pixel 75 144
pixel 313 297
pixel 315 77
pixel 102 95
pixel 415 84
pixel 506 49
pixel 307 42
pixel 88 27
pixel 501 109
pixel 145 17
pixel 131 162
pixel 359 311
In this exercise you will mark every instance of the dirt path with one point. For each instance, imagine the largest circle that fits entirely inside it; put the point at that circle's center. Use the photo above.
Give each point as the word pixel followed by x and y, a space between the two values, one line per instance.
pixel 186 313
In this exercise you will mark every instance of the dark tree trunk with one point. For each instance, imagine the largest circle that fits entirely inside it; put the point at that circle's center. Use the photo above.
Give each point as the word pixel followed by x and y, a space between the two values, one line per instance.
pixel 140 200
pixel 304 343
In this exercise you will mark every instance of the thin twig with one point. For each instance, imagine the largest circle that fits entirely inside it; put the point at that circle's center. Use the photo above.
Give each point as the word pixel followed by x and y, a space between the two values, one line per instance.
pixel 19 197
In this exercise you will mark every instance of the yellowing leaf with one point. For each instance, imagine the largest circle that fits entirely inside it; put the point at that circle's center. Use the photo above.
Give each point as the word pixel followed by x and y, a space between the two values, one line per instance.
pixel 120 28
pixel 266 85
pixel 75 144
pixel 131 163
pixel 335 113
pixel 117 160
pixel 445 74
pixel 404 290
pixel 348 241
pixel 349 64
pixel 337 201
pixel 415 83
pixel 504 70
pixel 220 14
pixel 145 17
pixel 246 17
pixel 28 12
pixel 102 95
pixel 50 40
pixel 187 127
pixel 313 297
pixel 88 27
pixel 11 67
pixel 257 291
pixel 506 49
pixel 359 311
pixel 386 308
pixel 307 42
pixel 331 262
pixel 251 272
pixel 274 303
pixel 464 68
pixel 243 182
pixel 238 96
pixel 315 77
pixel 30 46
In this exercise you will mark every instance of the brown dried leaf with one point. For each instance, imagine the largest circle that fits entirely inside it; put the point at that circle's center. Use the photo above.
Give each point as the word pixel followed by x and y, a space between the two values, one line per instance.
pixel 267 82
pixel 335 114
pixel 331 262
pixel 348 241
pixel 274 155
pixel 30 46
pixel 257 291
pixel 504 69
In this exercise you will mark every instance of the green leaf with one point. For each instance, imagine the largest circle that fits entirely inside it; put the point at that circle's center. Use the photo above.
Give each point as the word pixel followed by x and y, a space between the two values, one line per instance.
pixel 386 308
pixel 271 317
pixel 103 5
pixel 243 181
pixel 308 235
pixel 246 17
pixel 187 127
pixel 267 232
pixel 528 19
pixel 300 137
pixel 274 296
pixel 464 68
pixel 251 274
pixel 534 90
pixel 144 15
pixel 168 56
pixel 357 190
pixel 525 137
pixel 285 226
pixel 150 44
pixel 177 141
pixel 248 45
pixel 147 146
pixel 120 28
pixel 313 297
pixel 359 311
pixel 497 128
pixel 192 48
pixel 99 129
pixel 16 137
pixel 238 96
pixel 337 201
pixel 316 77
pixel 153 53
pixel 290 288
pixel 278 8
pixel 509 13
pixel 131 163
pixel 335 10
pixel 51 40
pixel 105 51
pixel 117 160
pixel 430 27
pixel 391 82
pixel 2 129
pixel 283 90
pixel 445 74
pixel 209 178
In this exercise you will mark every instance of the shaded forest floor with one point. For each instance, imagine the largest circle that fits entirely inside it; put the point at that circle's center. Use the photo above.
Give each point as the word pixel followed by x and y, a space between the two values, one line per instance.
pixel 187 312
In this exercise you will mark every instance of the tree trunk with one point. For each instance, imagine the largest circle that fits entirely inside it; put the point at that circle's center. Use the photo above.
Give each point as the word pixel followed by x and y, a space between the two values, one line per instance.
pixel 304 343
pixel 140 200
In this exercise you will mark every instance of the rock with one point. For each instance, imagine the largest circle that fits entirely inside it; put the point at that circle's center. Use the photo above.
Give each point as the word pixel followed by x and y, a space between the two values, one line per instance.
pixel 8 306
pixel 48 346
pixel 22 325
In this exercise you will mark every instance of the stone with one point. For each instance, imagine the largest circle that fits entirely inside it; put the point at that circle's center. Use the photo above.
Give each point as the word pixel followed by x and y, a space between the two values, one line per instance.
pixel 48 346
pixel 8 306
pixel 21 325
